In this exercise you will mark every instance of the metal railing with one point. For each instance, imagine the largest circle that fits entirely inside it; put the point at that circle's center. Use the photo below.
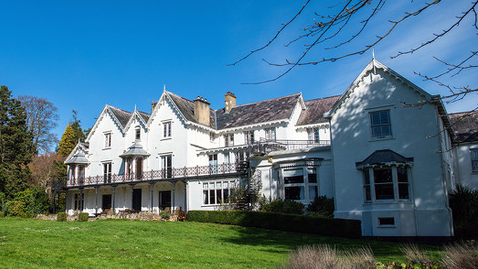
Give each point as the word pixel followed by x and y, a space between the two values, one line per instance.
pixel 162 174
pixel 268 146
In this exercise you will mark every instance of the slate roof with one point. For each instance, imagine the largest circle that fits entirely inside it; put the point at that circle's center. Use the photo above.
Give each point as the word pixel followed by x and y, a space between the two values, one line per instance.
pixel 135 150
pixel 78 158
pixel 268 110
pixel 465 125
pixel 187 109
pixel 122 115
pixel 316 109
pixel 383 156
pixel 144 115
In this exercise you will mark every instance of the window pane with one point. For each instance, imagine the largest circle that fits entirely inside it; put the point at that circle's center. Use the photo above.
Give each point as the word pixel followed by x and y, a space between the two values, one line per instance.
pixel 382 175
pixel 294 193
pixel 385 131
pixel 204 185
pixel 312 192
pixel 294 179
pixel 212 197
pixel 403 191
pixel 312 178
pixel 225 195
pixel 205 197
pixel 402 174
pixel 474 165
pixel 384 191
pixel 384 117
pixel 218 195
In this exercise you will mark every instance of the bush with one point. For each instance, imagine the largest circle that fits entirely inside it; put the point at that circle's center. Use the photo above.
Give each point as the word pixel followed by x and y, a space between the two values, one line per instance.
pixel 460 255
pixel 16 209
pixel 321 206
pixel 284 206
pixel 281 221
pixel 464 205
pixel 61 216
pixel 83 217
pixel 165 215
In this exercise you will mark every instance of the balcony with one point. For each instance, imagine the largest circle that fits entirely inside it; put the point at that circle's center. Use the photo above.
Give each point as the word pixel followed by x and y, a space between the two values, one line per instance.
pixel 266 147
pixel 161 175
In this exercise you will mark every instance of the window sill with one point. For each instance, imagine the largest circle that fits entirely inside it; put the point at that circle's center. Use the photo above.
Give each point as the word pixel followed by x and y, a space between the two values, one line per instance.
pixel 381 139
pixel 106 148
pixel 166 138
pixel 386 226
pixel 385 202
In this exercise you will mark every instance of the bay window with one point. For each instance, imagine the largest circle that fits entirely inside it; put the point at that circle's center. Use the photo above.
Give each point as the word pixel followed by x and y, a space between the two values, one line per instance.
pixel 386 183
pixel 217 192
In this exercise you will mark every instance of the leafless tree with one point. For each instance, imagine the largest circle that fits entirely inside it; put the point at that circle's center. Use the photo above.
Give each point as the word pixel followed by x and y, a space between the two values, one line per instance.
pixel 41 120
pixel 347 20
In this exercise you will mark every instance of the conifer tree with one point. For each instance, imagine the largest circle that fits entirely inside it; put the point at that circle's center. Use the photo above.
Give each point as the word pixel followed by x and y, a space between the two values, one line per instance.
pixel 68 141
pixel 16 146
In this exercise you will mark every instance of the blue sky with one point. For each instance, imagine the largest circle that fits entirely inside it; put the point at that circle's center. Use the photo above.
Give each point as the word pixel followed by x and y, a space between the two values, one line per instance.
pixel 82 55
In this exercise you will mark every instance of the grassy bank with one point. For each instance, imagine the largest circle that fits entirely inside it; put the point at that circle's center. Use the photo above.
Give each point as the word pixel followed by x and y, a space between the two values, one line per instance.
pixel 27 243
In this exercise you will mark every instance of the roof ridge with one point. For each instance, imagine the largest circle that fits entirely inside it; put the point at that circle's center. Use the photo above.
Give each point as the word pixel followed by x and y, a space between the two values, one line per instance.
pixel 321 98
pixel 110 106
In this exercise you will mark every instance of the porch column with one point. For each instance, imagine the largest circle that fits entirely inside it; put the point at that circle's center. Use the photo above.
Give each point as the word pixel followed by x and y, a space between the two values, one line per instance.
pixel 96 201
pixel 151 197
pixel 132 194
pixel 82 200
pixel 172 195
pixel 113 203
pixel 185 196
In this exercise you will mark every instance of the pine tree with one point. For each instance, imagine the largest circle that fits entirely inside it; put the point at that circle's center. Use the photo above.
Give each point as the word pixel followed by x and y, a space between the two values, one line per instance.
pixel 16 145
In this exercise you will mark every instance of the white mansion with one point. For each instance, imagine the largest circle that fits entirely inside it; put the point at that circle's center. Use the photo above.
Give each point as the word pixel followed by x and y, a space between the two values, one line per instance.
pixel 385 150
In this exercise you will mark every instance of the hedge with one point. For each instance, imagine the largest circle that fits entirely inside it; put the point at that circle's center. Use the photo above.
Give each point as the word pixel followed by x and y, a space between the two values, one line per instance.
pixel 280 221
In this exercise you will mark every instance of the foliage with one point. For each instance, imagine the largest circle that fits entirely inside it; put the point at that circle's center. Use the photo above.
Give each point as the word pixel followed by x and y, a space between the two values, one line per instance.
pixel 43 168
pixel 68 141
pixel 28 203
pixel 61 216
pixel 165 215
pixel 283 206
pixel 464 205
pixel 322 206
pixel 16 147
pixel 83 217
pixel 281 221
pixel 41 120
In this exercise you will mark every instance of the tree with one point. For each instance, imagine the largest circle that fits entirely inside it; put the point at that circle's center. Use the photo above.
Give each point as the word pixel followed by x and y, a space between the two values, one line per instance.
pixel 76 125
pixel 348 30
pixel 16 145
pixel 43 168
pixel 41 120
pixel 68 141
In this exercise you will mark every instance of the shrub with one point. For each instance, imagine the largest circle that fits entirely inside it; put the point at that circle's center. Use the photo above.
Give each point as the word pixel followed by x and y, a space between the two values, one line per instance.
pixel 165 215
pixel 284 206
pixel 83 217
pixel 281 221
pixel 16 209
pixel 464 204
pixel 321 206
pixel 61 216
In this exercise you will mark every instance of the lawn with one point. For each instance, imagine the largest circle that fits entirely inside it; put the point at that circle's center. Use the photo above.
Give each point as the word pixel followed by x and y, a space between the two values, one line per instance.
pixel 29 243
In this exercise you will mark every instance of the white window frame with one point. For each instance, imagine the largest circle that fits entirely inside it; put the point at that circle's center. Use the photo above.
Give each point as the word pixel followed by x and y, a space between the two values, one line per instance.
pixel 222 187
pixel 167 129
pixel 313 134
pixel 137 133
pixel 229 140
pixel 474 159
pixel 383 122
pixel 270 134
pixel 306 184
pixel 107 171
pixel 398 181
pixel 249 137
pixel 108 139
pixel 213 163
pixel 167 165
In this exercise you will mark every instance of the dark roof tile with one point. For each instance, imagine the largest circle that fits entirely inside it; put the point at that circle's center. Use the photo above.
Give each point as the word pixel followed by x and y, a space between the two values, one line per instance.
pixel 465 125
pixel 122 115
pixel 316 109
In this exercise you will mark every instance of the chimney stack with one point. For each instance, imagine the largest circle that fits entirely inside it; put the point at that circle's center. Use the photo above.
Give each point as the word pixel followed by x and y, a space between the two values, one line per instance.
pixel 230 101
pixel 153 105
pixel 201 111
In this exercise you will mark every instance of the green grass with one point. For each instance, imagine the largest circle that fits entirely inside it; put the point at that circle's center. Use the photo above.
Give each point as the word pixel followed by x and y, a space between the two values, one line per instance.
pixel 27 243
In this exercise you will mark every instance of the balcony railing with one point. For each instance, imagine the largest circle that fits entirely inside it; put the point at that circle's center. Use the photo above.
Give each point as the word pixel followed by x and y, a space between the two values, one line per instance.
pixel 162 174
pixel 265 146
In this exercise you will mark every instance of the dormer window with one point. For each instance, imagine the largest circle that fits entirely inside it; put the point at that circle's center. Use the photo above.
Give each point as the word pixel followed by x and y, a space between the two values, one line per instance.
pixel 107 140
pixel 137 133
pixel 271 134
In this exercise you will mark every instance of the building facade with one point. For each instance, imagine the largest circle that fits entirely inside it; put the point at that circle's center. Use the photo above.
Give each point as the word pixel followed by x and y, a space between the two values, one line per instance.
pixel 383 150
